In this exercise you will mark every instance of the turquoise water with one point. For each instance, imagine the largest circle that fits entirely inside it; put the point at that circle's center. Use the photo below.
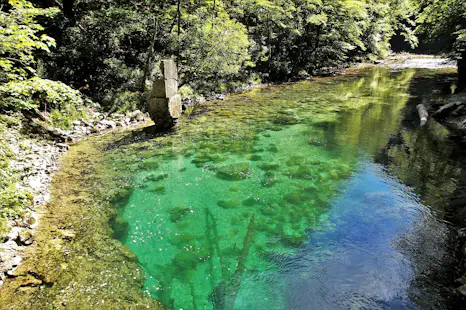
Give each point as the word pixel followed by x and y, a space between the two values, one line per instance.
pixel 274 200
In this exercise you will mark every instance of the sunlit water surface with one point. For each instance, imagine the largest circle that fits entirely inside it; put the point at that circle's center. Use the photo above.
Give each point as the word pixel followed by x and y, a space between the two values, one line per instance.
pixel 273 200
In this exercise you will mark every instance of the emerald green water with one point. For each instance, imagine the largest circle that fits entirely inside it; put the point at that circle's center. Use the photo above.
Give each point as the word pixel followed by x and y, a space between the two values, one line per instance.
pixel 272 200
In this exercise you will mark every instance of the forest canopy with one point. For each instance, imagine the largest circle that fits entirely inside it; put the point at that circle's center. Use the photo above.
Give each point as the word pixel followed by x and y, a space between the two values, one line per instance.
pixel 110 50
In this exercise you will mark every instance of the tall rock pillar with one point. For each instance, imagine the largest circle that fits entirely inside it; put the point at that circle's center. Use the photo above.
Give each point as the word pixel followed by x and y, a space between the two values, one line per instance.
pixel 165 103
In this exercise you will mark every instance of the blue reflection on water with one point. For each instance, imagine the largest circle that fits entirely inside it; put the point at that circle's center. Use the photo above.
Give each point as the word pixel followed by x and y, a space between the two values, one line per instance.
pixel 352 260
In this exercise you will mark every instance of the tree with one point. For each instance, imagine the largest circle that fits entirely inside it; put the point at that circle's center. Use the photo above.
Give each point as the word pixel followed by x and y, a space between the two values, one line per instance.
pixel 20 38
pixel 20 87
pixel 447 18
pixel 214 48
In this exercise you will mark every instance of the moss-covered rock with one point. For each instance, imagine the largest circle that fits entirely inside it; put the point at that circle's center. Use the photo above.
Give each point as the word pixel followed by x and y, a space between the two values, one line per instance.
pixel 234 172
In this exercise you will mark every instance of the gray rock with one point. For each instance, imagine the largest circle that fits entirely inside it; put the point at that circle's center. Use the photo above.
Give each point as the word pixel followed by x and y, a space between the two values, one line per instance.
pixel 164 88
pixel 159 113
pixel 169 69
pixel 462 290
pixel 63 146
pixel 174 106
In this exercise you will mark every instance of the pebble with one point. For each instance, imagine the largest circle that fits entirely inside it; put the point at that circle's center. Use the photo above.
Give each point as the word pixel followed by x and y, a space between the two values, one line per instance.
pixel 16 260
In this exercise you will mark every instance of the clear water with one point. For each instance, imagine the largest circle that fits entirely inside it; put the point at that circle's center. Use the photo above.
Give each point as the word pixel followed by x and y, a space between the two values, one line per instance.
pixel 275 199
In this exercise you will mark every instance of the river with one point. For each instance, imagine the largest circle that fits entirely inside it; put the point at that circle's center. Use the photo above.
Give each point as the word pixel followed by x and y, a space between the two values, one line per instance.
pixel 322 194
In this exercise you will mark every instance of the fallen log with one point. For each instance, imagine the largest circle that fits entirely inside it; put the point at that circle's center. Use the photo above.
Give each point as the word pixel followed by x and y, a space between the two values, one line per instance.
pixel 448 106
pixel 423 114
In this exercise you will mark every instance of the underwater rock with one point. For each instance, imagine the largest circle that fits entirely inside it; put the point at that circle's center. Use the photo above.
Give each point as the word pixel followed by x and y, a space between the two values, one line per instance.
pixel 234 172
pixel 295 161
pixel 269 166
pixel 299 172
pixel 156 177
pixel 333 175
pixel 291 237
pixel 285 120
pixel 228 204
pixel 272 148
pixel 178 213
pixel 150 164
pixel 234 188
pixel 316 142
pixel 251 201
pixel 186 260
pixel 255 157
pixel 159 189
pixel 293 198
pixel 180 239
pixel 202 159
pixel 268 210
pixel 120 228
pixel 122 196
pixel 257 150
pixel 269 179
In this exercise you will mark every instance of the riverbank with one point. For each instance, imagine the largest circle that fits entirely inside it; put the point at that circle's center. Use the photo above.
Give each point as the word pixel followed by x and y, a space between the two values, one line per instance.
pixel 74 262
pixel 33 159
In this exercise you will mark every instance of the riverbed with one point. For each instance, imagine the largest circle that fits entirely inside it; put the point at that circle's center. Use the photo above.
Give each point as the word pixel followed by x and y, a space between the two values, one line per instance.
pixel 297 197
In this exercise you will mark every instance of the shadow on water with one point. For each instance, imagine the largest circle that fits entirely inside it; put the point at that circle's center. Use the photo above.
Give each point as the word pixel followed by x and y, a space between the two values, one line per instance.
pixel 346 196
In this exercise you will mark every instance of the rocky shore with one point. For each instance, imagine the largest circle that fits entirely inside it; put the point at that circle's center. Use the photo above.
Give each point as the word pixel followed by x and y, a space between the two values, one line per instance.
pixel 35 159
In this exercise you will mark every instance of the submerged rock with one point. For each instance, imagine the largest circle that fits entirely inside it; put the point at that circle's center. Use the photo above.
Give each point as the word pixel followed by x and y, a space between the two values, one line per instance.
pixel 177 213
pixel 228 204
pixel 159 189
pixel 234 172
pixel 251 201
pixel 269 166
pixel 156 177
pixel 255 157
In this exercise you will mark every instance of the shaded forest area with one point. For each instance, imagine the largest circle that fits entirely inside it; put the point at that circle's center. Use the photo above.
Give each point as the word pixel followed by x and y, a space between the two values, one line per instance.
pixel 109 50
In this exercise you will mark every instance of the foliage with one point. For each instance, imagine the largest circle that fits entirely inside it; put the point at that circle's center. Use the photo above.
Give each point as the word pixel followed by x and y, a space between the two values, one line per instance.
pixel 104 46
pixel 215 49
pixel 64 103
pixel 36 91
pixel 446 17
pixel 102 51
pixel 19 38
pixel 12 199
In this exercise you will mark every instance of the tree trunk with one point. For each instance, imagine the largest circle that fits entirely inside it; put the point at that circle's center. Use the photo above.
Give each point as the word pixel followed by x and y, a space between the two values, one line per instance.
pixel 462 72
